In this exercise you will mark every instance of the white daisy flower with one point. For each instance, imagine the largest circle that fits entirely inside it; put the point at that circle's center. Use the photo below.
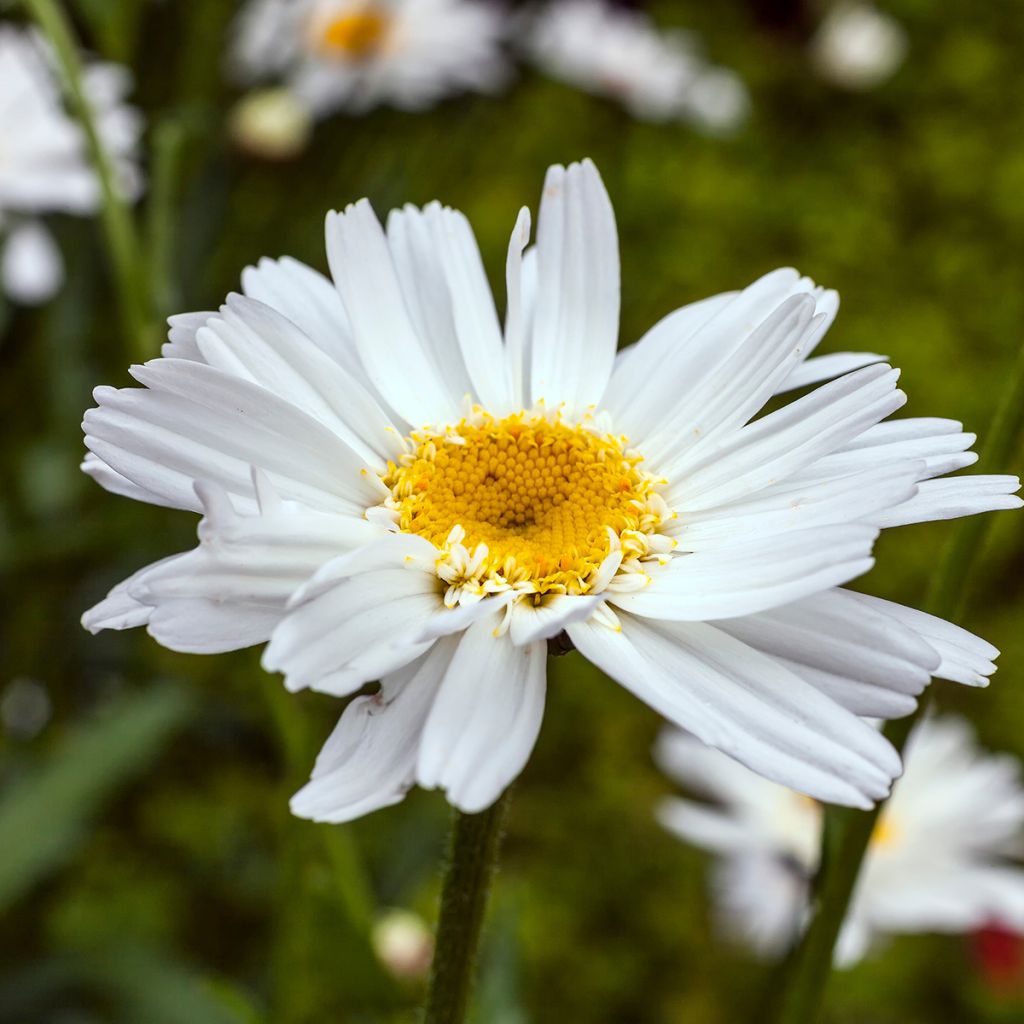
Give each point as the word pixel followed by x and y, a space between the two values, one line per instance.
pixel 358 54
pixel 938 861
pixel 44 160
pixel 394 488
pixel 616 52
pixel 857 46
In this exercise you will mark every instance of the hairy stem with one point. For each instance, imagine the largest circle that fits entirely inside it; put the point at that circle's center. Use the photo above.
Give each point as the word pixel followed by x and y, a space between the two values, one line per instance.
pixel 472 858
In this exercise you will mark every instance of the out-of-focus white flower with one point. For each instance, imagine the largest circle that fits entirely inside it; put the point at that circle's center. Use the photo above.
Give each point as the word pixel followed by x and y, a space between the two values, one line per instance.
pixel 939 859
pixel 403 944
pixel 358 54
pixel 271 123
pixel 31 267
pixel 25 708
pixel 44 161
pixel 397 487
pixel 616 52
pixel 857 46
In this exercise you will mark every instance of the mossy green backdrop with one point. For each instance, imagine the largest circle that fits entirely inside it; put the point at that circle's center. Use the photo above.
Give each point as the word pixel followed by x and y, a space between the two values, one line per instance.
pixel 150 872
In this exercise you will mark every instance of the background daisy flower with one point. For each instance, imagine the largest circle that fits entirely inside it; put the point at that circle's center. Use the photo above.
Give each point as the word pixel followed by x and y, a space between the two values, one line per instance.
pixel 619 53
pixel 357 54
pixel 44 165
pixel 939 859
pixel 395 487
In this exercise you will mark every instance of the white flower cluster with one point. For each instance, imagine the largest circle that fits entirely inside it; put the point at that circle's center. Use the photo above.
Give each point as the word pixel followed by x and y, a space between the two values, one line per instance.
pixel 44 161
pixel 357 54
pixel 944 856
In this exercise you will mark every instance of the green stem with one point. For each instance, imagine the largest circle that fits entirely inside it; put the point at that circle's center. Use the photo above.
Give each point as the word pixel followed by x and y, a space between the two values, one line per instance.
pixel 119 229
pixel 472 859
pixel 805 974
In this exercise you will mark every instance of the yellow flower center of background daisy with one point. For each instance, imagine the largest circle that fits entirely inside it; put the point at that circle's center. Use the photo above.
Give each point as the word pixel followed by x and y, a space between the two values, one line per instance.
pixel 354 35
pixel 886 833
pixel 547 500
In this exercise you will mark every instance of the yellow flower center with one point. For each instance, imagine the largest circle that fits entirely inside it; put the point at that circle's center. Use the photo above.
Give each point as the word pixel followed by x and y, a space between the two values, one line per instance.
pixel 355 35
pixel 528 502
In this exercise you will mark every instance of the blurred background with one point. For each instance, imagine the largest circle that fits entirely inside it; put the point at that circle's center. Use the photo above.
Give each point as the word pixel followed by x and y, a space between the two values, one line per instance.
pixel 150 872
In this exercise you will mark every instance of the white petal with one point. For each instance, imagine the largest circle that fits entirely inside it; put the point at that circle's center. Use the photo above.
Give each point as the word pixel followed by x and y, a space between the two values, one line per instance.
pixel 733 391
pixel 785 441
pixel 706 827
pixel 966 658
pixel 442 275
pixel 256 343
pixel 576 324
pixel 665 371
pixel 747 705
pixel 311 302
pixel 369 761
pixel 194 422
pixel 31 267
pixel 822 368
pixel 952 497
pixel 753 575
pixel 485 720
pixel 519 311
pixel 849 649
pixel 531 623
pixel 112 481
pixel 798 504
pixel 181 335
pixel 359 618
pixel 395 358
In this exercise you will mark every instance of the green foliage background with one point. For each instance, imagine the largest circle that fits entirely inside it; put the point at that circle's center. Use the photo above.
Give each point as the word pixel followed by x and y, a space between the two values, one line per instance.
pixel 149 869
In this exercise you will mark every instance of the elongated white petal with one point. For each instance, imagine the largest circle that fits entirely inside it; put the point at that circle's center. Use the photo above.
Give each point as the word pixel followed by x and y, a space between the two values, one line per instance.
pixel 519 311
pixel 254 342
pixel 752 576
pixel 442 275
pixel 703 826
pixel 369 760
pixel 953 497
pixel 485 720
pixel 784 442
pixel 576 324
pixel 311 302
pixel 864 659
pixel 823 368
pixel 360 617
pixel 796 504
pixel 181 335
pixel 965 658
pixel 195 422
pixel 738 386
pixel 744 703
pixel 396 360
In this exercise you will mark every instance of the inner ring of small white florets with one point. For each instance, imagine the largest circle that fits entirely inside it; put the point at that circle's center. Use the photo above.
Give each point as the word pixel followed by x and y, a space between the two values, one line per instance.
pixel 529 503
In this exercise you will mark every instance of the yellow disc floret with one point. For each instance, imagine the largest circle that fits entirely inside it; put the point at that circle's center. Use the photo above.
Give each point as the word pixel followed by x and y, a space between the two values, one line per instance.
pixel 354 35
pixel 527 502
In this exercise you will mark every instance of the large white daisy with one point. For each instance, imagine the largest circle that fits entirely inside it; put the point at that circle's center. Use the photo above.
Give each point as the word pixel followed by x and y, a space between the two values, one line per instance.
pixel 939 859
pixel 619 53
pixel 44 161
pixel 395 488
pixel 357 54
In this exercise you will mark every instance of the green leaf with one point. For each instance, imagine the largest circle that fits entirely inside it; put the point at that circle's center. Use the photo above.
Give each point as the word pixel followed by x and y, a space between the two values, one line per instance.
pixel 43 815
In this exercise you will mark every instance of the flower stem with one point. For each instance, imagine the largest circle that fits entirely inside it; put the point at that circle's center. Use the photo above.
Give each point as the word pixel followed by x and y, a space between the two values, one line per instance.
pixel 805 973
pixel 472 858
pixel 119 229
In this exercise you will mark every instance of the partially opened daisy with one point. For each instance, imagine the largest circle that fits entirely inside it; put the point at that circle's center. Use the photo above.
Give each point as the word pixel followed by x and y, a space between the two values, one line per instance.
pixel 394 487
pixel 357 54
pixel 944 857
pixel 619 53
pixel 44 162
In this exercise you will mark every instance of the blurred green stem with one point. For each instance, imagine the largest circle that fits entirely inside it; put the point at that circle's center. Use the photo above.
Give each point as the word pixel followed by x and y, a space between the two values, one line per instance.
pixel 118 226
pixel 472 858
pixel 806 972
